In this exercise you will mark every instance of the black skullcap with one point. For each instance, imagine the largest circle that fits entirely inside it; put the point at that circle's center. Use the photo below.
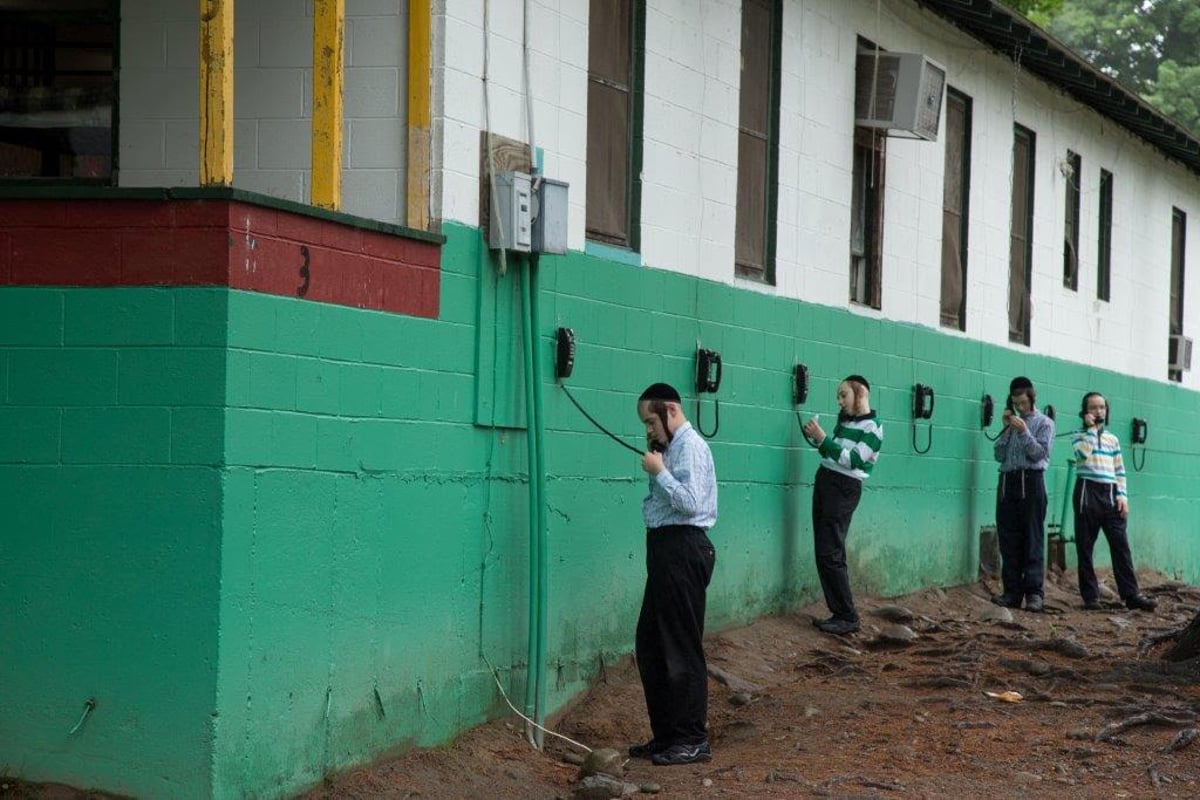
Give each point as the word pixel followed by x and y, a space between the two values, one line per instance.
pixel 858 379
pixel 660 391
pixel 1018 383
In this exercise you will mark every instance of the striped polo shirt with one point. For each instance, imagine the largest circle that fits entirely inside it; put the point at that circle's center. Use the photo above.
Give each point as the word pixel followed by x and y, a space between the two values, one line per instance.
pixel 1098 458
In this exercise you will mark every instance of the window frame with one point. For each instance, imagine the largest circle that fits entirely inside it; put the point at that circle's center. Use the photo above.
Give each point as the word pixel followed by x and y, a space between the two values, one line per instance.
pixel 631 240
pixel 1029 167
pixel 866 215
pixel 964 211
pixel 1104 237
pixel 1071 213
pixel 767 227
pixel 1177 278
pixel 110 13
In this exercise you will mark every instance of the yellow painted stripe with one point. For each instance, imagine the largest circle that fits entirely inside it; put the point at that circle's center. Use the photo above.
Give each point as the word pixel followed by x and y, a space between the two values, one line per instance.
pixel 329 34
pixel 419 159
pixel 216 92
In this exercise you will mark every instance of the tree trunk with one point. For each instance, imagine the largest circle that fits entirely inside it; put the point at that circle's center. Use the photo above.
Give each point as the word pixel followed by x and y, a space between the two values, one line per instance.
pixel 1187 645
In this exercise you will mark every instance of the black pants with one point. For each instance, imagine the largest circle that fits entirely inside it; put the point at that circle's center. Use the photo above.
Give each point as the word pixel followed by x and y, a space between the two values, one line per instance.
pixel 835 496
pixel 1021 529
pixel 1095 509
pixel 670 633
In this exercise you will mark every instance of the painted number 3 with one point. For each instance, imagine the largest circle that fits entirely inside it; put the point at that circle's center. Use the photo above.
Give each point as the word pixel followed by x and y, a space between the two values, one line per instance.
pixel 304 273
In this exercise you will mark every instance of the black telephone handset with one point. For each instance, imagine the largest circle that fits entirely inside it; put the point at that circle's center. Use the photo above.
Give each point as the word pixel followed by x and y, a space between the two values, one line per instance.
pixel 656 447
pixel 923 399
pixel 799 384
pixel 564 356
pixel 1141 430
pixel 708 371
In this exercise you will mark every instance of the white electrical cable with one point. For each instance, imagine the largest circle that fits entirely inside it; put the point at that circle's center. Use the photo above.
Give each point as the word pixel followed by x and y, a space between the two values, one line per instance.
pixel 522 716
pixel 528 87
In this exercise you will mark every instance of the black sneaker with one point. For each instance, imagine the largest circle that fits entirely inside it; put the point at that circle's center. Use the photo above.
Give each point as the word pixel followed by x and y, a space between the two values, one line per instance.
pixel 683 754
pixel 1006 600
pixel 838 627
pixel 646 750
pixel 1141 602
pixel 1034 603
pixel 1092 605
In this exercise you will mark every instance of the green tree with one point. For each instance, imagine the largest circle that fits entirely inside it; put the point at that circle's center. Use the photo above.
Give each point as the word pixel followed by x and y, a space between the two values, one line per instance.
pixel 1151 46
pixel 1040 12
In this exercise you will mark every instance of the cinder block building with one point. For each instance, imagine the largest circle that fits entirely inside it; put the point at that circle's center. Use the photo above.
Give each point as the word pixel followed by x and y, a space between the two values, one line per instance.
pixel 289 473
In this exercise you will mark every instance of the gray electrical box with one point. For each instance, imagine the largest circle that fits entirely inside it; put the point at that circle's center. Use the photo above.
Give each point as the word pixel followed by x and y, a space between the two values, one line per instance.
pixel 550 217
pixel 511 223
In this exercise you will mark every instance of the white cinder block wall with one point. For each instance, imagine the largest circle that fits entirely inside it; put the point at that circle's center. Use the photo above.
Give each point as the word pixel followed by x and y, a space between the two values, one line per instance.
pixel 690 166
pixel 159 126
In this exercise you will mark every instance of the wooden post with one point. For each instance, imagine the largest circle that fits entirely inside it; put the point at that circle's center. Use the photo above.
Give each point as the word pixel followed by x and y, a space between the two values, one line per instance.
pixel 419 88
pixel 216 92
pixel 329 35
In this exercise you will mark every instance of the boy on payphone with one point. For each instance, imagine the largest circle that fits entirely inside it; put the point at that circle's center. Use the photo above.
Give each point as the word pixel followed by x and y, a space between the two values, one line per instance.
pixel 1100 503
pixel 1023 450
pixel 847 457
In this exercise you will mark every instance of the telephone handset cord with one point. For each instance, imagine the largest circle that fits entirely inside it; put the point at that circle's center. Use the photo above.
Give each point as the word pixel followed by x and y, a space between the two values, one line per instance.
pixel 592 420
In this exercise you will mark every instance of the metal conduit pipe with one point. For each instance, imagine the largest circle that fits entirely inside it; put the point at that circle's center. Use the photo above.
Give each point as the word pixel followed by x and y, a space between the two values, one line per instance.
pixel 533 670
pixel 543 545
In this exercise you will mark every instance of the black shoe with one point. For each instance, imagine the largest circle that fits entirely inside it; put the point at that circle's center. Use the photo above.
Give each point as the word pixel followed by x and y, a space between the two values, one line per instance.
pixel 683 754
pixel 646 750
pixel 1141 602
pixel 1034 603
pixel 838 627
pixel 1092 605
pixel 1006 600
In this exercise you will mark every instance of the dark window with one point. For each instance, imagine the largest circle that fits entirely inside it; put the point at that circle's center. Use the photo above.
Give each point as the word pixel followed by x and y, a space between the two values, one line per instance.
pixel 1020 244
pixel 1071 222
pixel 1178 247
pixel 758 130
pixel 1104 245
pixel 956 188
pixel 866 217
pixel 57 89
pixel 615 61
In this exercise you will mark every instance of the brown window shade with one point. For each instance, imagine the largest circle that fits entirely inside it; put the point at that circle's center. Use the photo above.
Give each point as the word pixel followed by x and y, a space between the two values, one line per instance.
pixel 955 193
pixel 1020 240
pixel 756 138
pixel 610 137
pixel 751 206
pixel 608 164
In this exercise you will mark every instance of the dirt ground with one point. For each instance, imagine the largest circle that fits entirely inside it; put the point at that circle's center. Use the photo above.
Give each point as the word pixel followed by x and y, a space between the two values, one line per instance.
pixel 866 717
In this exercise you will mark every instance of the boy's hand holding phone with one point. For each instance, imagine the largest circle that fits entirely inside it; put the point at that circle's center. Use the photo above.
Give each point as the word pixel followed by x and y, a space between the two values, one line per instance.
pixel 813 430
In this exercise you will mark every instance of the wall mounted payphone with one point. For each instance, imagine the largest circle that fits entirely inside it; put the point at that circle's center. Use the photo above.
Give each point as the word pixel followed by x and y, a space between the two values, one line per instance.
pixel 708 381
pixel 1137 436
pixel 799 385
pixel 923 402
pixel 564 353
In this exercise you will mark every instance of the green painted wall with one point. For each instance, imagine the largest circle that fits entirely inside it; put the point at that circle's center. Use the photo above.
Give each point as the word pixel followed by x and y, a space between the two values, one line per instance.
pixel 110 426
pixel 273 538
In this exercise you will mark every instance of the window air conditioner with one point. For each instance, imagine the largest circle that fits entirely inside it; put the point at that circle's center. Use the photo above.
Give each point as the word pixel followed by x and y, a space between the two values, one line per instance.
pixel 1179 352
pixel 907 92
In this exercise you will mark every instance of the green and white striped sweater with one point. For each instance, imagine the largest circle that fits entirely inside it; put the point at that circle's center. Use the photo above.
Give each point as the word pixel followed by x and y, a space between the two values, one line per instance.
pixel 854 446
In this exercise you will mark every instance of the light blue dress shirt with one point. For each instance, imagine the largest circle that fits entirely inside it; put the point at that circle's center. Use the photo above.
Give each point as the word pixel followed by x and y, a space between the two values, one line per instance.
pixel 685 492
